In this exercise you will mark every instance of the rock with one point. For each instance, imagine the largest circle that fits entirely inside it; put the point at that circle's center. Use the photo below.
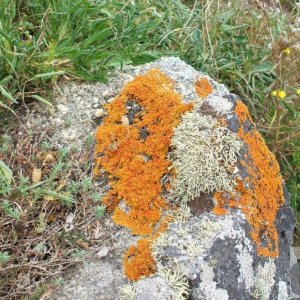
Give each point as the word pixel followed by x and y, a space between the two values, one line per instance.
pixel 62 108
pixel 103 252
pixel 148 287
pixel 99 113
pixel 125 120
pixel 231 233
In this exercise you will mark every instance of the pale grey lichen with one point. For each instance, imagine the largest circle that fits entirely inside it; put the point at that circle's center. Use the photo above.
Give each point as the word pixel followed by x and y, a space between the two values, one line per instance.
pixel 176 280
pixel 210 290
pixel 265 280
pixel 282 291
pixel 128 291
pixel 204 156
pixel 219 104
pixel 192 240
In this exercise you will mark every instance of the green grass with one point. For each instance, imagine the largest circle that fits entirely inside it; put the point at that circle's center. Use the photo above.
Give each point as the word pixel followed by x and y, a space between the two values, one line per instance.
pixel 42 41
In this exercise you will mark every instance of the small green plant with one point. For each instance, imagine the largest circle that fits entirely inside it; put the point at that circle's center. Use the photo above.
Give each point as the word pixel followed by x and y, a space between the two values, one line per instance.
pixel 4 257
pixel 78 253
pixel 6 174
pixel 96 197
pixel 86 183
pixel 59 281
pixel 99 211
pixel 45 145
pixel 89 141
pixel 24 184
pixel 14 213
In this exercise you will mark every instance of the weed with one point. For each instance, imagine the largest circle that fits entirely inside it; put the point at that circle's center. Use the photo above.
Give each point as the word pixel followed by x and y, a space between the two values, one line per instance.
pixel 10 211
pixel 58 281
pixel 99 211
pixel 28 210
pixel 45 145
pixel 4 257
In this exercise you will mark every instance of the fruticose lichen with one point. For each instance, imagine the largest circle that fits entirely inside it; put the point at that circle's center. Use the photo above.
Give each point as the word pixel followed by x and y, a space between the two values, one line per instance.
pixel 204 156
pixel 260 195
pixel 176 281
pixel 128 291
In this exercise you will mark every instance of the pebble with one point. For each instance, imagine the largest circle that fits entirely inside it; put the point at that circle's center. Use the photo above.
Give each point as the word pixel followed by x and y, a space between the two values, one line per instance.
pixel 100 113
pixel 62 108
pixel 103 252
pixel 125 120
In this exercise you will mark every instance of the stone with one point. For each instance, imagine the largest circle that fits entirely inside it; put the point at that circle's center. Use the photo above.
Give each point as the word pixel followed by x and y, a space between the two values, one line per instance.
pixel 231 234
pixel 103 252
pixel 148 287
pixel 100 113
pixel 62 108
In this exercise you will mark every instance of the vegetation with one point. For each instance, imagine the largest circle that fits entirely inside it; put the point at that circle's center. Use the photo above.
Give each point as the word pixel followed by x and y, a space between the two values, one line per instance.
pixel 251 48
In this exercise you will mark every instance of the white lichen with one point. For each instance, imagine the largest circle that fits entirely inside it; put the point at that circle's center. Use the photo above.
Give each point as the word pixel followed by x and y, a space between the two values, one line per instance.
pixel 265 280
pixel 245 260
pixel 209 287
pixel 204 157
pixel 128 292
pixel 282 291
pixel 176 280
pixel 221 105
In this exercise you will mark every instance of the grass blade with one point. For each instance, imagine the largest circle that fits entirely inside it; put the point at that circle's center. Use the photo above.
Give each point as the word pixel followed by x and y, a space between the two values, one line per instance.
pixel 42 100
pixel 7 95
pixel 5 172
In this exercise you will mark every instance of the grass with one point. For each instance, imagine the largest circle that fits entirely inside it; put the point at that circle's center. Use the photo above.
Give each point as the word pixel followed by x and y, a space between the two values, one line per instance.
pixel 243 46
pixel 46 225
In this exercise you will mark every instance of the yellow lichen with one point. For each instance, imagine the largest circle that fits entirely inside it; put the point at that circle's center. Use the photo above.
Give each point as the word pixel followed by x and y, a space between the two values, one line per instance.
pixel 261 195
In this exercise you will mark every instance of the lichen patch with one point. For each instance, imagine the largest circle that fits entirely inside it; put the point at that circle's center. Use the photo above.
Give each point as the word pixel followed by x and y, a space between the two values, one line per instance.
pixel 261 194
pixel 204 157
pixel 203 87
pixel 120 152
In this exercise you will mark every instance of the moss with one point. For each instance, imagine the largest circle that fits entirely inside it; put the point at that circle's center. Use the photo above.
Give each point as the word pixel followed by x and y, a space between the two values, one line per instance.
pixel 261 194
pixel 203 87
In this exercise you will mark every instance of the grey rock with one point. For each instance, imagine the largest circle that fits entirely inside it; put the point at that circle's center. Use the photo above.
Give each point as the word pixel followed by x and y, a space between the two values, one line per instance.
pixel 153 287
pixel 215 255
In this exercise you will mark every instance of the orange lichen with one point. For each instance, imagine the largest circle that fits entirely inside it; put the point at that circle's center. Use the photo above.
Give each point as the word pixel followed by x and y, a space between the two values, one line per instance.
pixel 135 165
pixel 138 261
pixel 261 195
pixel 203 87
pixel 220 205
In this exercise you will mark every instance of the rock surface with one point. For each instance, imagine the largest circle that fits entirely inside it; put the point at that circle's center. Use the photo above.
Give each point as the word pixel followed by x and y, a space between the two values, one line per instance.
pixel 231 232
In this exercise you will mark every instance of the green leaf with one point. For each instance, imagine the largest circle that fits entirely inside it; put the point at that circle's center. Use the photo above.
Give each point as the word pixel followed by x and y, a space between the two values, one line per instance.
pixel 41 99
pixel 289 108
pixel 265 66
pixel 49 74
pixel 68 200
pixel 226 27
pixel 6 79
pixel 6 172
pixel 144 57
pixel 7 107
pixel 7 95
pixel 4 257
